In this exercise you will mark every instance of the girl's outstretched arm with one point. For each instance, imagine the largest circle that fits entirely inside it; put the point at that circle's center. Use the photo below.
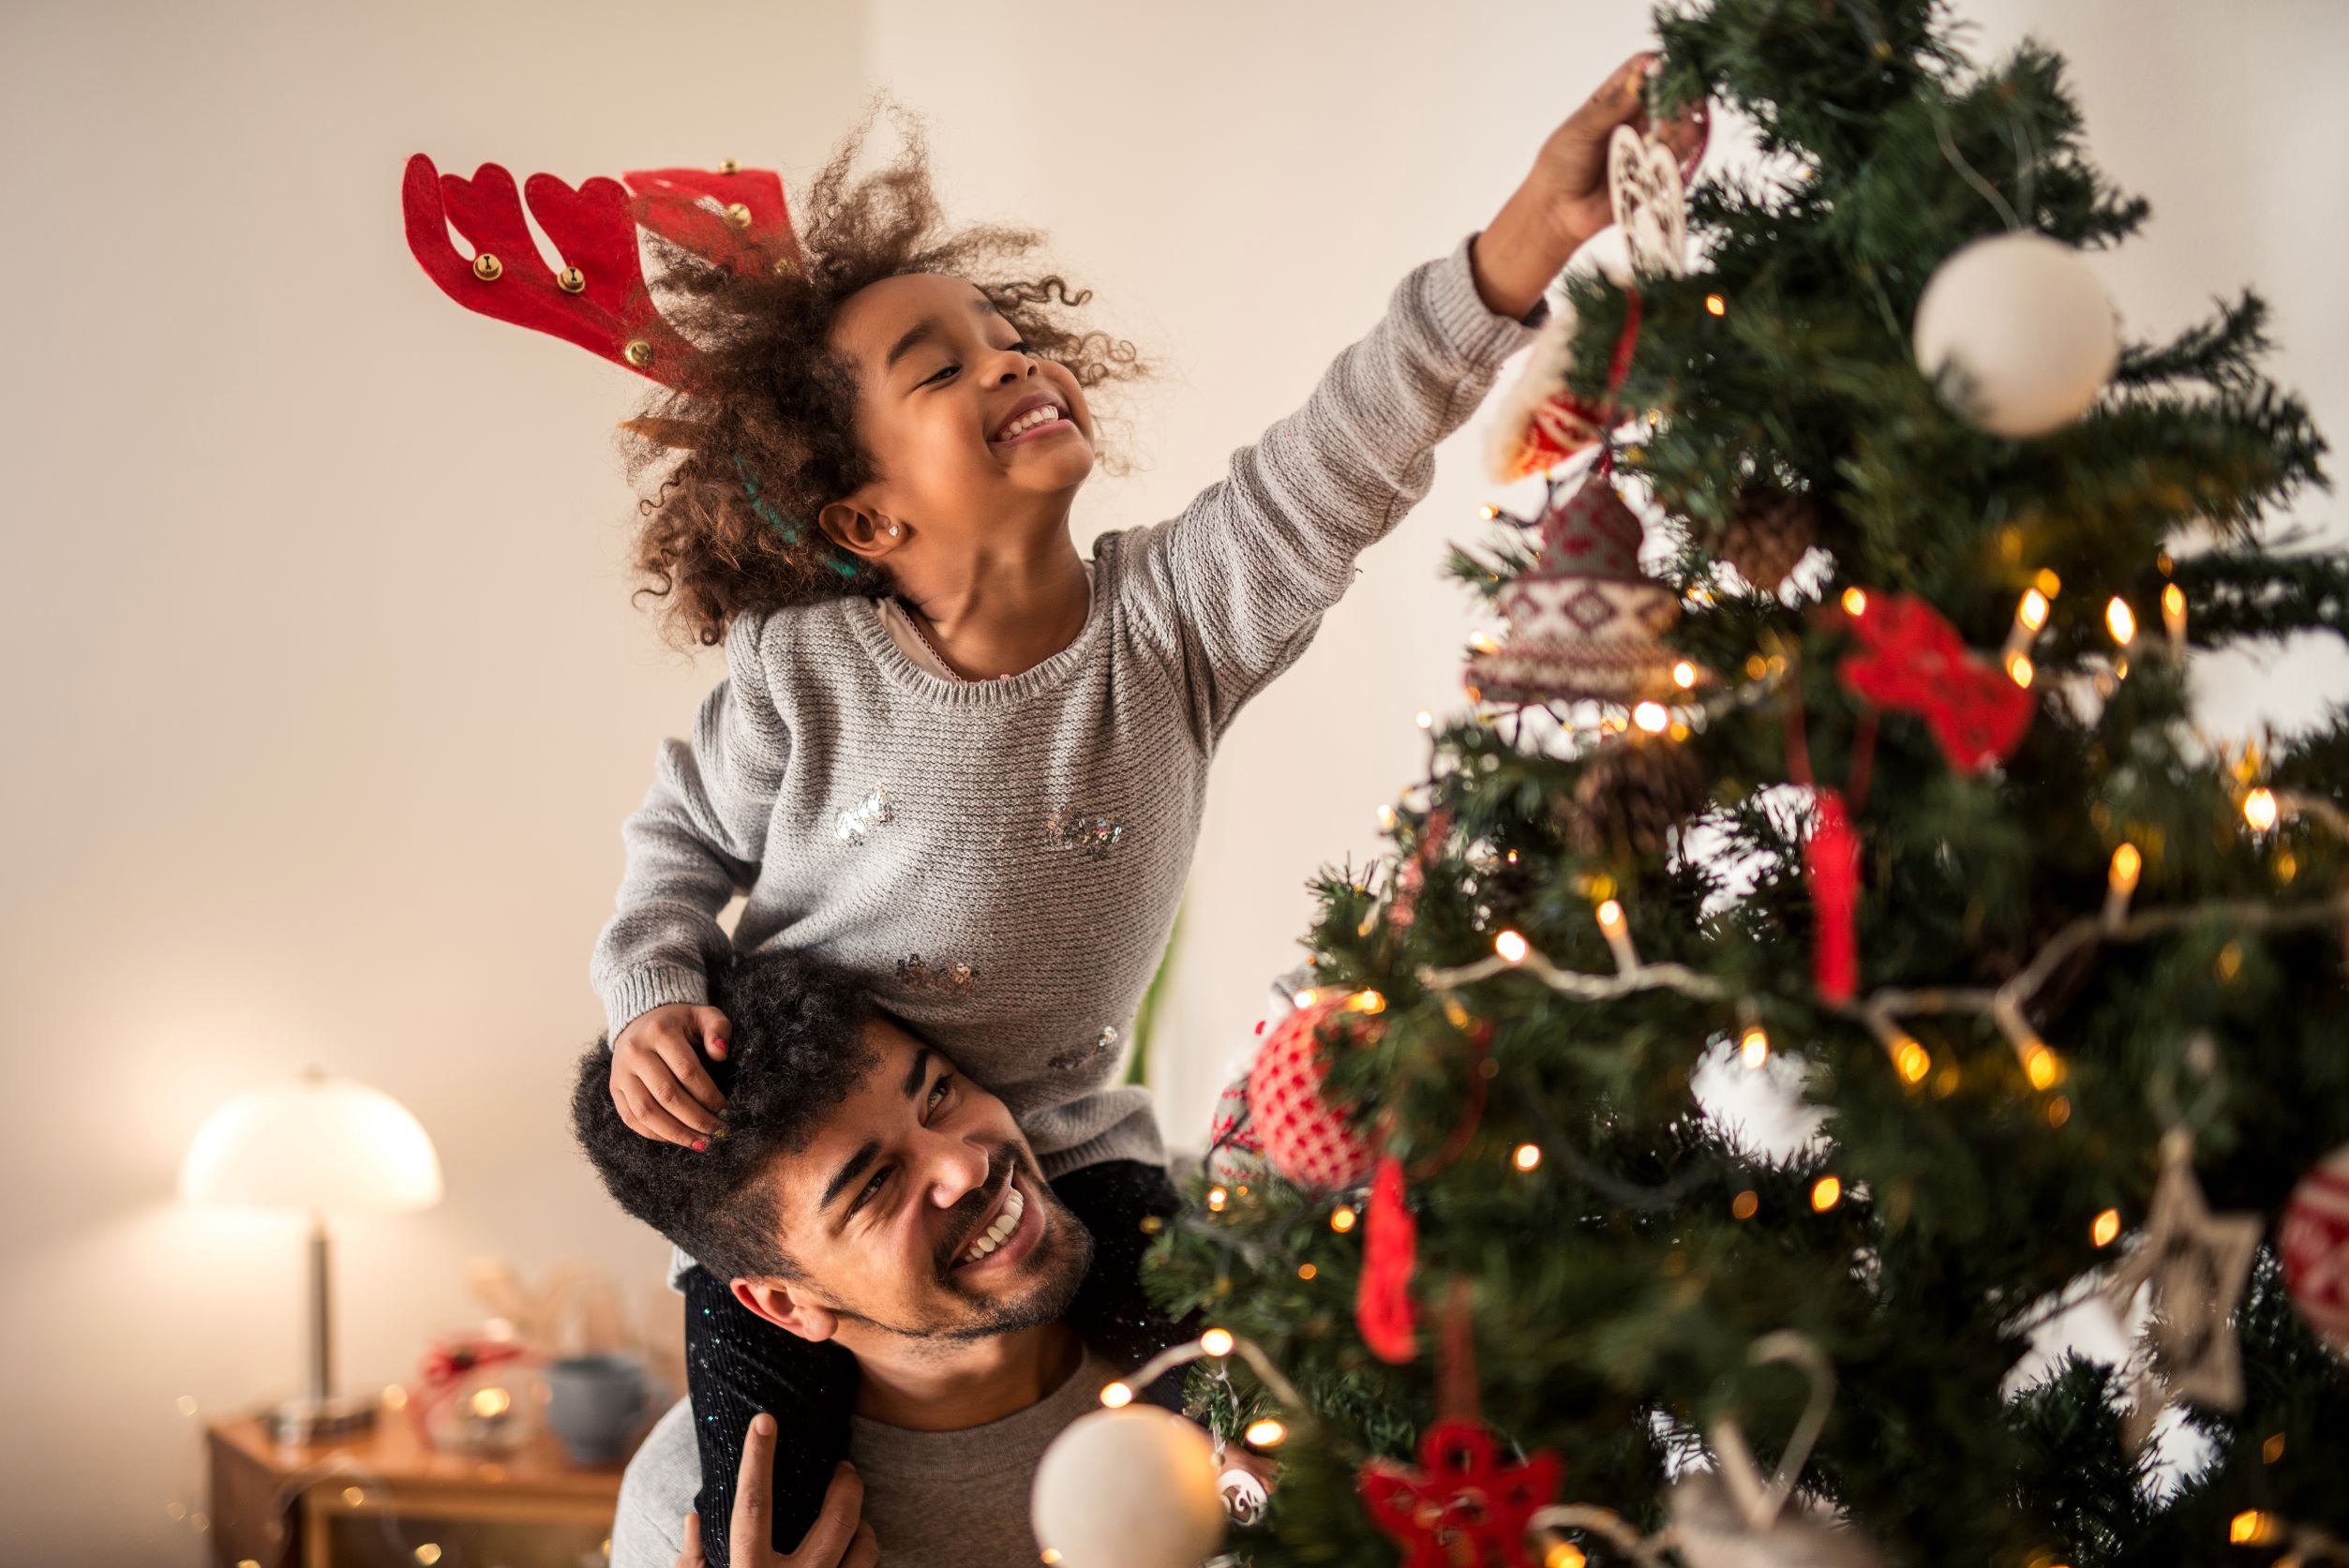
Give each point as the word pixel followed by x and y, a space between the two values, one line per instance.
pixel 1236 585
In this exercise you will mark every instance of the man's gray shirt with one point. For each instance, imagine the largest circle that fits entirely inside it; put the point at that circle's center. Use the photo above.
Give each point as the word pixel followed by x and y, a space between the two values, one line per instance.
pixel 935 1500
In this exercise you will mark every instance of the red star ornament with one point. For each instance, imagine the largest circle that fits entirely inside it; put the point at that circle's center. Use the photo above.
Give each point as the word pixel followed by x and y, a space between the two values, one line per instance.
pixel 1463 1507
pixel 1914 662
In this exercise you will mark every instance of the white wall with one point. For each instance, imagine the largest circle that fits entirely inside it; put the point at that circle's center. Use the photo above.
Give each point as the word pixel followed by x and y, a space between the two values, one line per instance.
pixel 326 698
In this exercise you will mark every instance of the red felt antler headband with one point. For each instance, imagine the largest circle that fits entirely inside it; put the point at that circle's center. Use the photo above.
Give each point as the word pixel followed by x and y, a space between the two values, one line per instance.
pixel 734 216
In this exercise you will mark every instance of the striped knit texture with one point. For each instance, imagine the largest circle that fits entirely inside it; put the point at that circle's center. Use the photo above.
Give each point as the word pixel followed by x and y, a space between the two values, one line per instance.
pixel 1004 859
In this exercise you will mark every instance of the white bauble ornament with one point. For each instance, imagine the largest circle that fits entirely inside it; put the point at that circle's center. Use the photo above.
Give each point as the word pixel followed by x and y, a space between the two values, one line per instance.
pixel 1132 1488
pixel 2027 327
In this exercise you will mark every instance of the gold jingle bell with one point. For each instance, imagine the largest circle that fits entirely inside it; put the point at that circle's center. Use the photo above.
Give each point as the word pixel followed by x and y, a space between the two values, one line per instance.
pixel 738 215
pixel 639 352
pixel 487 268
pixel 727 166
pixel 572 279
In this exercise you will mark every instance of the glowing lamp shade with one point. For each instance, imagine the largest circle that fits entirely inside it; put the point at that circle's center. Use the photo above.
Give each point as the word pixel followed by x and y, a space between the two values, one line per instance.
pixel 329 1145
pixel 324 1146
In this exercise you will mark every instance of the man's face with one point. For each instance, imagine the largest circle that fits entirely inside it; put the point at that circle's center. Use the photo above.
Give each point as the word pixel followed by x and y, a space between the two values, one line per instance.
pixel 919 1209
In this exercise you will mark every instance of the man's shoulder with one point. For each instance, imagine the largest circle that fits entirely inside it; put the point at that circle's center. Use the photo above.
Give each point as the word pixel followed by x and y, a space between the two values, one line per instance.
pixel 657 1492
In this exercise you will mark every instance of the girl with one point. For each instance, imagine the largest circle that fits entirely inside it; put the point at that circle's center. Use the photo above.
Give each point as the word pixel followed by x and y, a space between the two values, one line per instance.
pixel 951 752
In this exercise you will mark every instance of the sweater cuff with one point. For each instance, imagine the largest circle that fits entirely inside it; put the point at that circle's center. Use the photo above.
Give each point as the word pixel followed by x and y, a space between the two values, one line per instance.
pixel 637 994
pixel 1470 331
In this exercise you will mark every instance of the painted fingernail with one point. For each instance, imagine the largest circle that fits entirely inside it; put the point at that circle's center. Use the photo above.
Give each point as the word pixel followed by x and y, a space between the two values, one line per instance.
pixel 717 1050
pixel 699 1144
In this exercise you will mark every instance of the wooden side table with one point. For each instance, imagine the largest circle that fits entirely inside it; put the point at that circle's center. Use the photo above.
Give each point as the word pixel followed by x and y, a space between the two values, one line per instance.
pixel 383 1499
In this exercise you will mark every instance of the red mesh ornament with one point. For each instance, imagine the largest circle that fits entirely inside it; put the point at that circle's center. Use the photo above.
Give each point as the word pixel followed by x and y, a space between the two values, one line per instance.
pixel 1311 1142
pixel 1383 1307
pixel 1914 662
pixel 2314 1240
pixel 1831 864
pixel 1461 1507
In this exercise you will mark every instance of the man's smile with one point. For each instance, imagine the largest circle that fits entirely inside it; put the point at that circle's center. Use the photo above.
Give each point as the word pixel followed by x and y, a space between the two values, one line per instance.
pixel 1007 1234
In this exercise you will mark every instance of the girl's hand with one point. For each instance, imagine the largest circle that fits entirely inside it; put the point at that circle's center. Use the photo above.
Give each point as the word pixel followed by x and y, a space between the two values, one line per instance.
pixel 1563 202
pixel 658 1081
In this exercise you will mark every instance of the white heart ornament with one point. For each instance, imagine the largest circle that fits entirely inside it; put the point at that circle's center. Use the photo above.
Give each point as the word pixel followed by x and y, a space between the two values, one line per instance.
pixel 1643 189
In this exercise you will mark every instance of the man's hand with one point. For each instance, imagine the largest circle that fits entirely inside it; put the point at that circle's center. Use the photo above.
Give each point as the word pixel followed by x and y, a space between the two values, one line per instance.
pixel 839 1538
pixel 658 1081
pixel 1563 202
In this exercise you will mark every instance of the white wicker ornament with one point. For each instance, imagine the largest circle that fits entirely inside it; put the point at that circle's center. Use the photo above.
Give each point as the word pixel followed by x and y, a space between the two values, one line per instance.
pixel 1645 191
pixel 2025 328
pixel 1132 1488
pixel 2314 1241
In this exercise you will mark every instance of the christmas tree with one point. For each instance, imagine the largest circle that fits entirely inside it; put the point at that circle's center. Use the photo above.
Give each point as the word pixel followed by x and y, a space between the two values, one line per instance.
pixel 1875 776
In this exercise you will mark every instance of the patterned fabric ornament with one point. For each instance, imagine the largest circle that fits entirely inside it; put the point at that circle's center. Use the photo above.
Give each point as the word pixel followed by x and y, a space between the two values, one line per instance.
pixel 1645 191
pixel 1914 662
pixel 1830 865
pixel 1586 622
pixel 2314 1241
pixel 1234 1154
pixel 2196 1263
pixel 1461 1505
pixel 1383 1307
pixel 1311 1142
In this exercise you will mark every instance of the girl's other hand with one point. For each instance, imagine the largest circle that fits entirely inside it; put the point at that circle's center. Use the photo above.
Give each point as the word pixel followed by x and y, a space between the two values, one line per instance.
pixel 658 1081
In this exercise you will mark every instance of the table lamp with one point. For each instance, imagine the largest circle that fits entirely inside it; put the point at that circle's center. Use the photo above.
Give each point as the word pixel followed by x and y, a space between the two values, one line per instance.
pixel 324 1146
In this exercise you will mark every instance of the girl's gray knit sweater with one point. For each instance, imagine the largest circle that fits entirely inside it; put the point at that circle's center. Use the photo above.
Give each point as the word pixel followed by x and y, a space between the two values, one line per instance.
pixel 1004 858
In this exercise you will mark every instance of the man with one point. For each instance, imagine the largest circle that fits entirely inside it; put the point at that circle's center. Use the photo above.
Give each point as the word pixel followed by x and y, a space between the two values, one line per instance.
pixel 868 1196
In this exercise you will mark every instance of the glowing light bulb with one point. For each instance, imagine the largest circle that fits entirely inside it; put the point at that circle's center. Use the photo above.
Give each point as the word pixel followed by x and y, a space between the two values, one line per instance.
pixel 2033 611
pixel 1684 675
pixel 2019 669
pixel 1264 1433
pixel 2127 863
pixel 1217 1198
pixel 2120 620
pixel 2260 810
pixel 2252 1528
pixel 1306 1271
pixel 491 1402
pixel 1719 307
pixel 1913 1060
pixel 1342 1220
pixel 1745 1204
pixel 1527 1156
pixel 1610 916
pixel 2043 1067
pixel 1826 1193
pixel 1116 1395
pixel 2048 583
pixel 1217 1341
pixel 1855 602
pixel 1511 947
pixel 1754 1046
pixel 2174 611
pixel 1424 719
pixel 1651 717
pixel 2106 1228
pixel 1387 818
pixel 1566 1554
pixel 1365 1002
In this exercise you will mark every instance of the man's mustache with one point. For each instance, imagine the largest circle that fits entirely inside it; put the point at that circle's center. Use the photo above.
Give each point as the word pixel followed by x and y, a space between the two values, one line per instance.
pixel 962 1219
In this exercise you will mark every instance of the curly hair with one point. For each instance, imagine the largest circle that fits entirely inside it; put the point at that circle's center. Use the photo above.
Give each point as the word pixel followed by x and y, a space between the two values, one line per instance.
pixel 766 415
pixel 798 1052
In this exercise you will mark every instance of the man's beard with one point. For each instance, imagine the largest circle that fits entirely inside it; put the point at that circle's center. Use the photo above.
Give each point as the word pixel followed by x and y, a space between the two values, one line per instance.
pixel 1057 1268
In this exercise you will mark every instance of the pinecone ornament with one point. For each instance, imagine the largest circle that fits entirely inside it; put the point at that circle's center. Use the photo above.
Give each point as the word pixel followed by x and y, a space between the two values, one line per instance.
pixel 1631 794
pixel 1586 622
pixel 1767 534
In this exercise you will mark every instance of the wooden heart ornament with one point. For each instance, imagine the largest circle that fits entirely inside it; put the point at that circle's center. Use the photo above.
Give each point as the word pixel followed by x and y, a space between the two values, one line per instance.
pixel 1649 203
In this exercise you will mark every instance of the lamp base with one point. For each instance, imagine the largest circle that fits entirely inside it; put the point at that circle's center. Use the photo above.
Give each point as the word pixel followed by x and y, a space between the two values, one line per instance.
pixel 316 1420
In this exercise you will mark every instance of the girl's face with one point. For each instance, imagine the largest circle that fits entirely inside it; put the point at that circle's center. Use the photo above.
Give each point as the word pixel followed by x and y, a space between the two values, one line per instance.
pixel 977 441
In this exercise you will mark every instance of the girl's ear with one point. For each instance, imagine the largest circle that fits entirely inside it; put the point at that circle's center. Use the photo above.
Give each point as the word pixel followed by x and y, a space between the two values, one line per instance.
pixel 774 1300
pixel 858 532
